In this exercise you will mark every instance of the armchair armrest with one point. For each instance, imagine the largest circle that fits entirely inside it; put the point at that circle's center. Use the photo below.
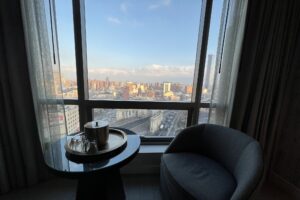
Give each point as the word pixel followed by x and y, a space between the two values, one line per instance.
pixel 188 140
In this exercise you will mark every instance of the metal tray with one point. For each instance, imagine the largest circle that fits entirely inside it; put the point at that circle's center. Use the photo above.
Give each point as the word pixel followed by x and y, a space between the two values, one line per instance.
pixel 78 149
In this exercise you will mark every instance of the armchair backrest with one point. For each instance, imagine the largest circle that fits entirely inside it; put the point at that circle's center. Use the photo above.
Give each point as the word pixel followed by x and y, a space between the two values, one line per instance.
pixel 240 154
pixel 237 152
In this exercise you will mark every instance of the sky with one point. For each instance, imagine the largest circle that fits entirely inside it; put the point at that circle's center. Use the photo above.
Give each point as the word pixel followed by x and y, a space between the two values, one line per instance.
pixel 136 40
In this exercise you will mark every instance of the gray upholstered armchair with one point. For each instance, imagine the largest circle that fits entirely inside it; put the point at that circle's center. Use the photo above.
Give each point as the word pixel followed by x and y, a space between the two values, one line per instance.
pixel 211 162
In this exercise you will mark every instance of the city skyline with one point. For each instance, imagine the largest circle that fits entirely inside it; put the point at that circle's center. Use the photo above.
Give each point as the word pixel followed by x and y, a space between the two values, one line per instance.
pixel 151 73
pixel 128 90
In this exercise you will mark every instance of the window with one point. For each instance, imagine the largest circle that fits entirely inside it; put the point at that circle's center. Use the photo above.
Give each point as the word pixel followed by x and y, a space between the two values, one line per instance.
pixel 148 66
pixel 141 50
pixel 66 45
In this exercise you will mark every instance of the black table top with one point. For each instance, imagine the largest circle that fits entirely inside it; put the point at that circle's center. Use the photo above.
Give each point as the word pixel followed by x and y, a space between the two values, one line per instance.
pixel 57 161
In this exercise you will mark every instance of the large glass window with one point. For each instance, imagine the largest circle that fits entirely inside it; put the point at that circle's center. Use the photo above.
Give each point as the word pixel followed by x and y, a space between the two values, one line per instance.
pixel 141 50
pixel 149 66
pixel 66 48
pixel 213 50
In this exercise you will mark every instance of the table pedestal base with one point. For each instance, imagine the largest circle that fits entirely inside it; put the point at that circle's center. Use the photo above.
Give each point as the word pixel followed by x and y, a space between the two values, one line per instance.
pixel 106 185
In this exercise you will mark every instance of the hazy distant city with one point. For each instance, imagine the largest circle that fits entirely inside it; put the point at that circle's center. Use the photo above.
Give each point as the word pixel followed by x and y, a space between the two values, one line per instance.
pixel 142 121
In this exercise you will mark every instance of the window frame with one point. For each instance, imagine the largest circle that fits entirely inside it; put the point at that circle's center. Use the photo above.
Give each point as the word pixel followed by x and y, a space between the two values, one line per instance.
pixel 86 106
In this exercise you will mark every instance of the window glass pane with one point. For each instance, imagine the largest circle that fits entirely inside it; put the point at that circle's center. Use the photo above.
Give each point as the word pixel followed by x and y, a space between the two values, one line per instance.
pixel 145 122
pixel 228 58
pixel 203 115
pixel 66 46
pixel 52 132
pixel 57 118
pixel 53 122
pixel 142 50
pixel 213 50
pixel 72 118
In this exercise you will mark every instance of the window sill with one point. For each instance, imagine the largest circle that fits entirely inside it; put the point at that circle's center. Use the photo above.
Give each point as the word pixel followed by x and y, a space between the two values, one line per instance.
pixel 152 149
pixel 147 161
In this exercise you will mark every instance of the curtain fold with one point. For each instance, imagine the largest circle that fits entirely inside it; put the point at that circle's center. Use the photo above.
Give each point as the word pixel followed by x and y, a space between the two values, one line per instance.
pixel 21 160
pixel 32 116
pixel 227 61
pixel 267 63
pixel 45 76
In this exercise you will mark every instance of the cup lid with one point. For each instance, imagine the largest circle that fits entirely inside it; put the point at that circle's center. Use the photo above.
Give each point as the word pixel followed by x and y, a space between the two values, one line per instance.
pixel 96 124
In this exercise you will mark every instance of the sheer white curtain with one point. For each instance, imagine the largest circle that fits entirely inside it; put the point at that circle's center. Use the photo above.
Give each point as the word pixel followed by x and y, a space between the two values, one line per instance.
pixel 227 60
pixel 43 62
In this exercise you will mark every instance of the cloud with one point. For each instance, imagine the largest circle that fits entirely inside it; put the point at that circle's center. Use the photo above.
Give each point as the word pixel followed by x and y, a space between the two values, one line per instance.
pixel 135 23
pixel 114 20
pixel 131 22
pixel 166 70
pixel 149 73
pixel 108 72
pixel 161 3
pixel 124 7
pixel 166 2
pixel 153 6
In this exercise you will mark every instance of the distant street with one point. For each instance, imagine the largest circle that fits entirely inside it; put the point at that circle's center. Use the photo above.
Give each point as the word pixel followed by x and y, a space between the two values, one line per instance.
pixel 171 124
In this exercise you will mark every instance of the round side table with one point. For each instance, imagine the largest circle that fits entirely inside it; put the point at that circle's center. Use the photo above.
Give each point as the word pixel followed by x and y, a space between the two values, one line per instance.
pixel 96 180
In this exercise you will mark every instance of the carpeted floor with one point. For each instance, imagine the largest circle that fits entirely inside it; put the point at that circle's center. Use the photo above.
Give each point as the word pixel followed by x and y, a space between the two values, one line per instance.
pixel 137 187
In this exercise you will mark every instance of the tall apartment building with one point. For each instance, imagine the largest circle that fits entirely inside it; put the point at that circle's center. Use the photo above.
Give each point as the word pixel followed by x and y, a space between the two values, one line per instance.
pixel 167 87
pixel 72 118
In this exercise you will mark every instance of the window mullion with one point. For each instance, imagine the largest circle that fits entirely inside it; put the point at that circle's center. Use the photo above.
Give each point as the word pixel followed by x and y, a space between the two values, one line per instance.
pixel 81 58
pixel 189 118
pixel 139 104
pixel 201 57
pixel 89 111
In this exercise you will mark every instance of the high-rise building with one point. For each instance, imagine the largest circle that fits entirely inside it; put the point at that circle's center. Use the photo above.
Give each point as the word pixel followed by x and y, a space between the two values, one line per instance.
pixel 72 119
pixel 155 121
pixel 107 82
pixel 167 87
pixel 125 93
pixel 189 89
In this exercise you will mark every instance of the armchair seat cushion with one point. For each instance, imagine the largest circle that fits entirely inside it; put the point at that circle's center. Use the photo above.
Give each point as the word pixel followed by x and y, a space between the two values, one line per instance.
pixel 194 176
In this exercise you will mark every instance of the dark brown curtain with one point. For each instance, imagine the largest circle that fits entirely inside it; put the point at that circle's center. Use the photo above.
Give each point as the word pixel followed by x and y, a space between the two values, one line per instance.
pixel 21 161
pixel 269 58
